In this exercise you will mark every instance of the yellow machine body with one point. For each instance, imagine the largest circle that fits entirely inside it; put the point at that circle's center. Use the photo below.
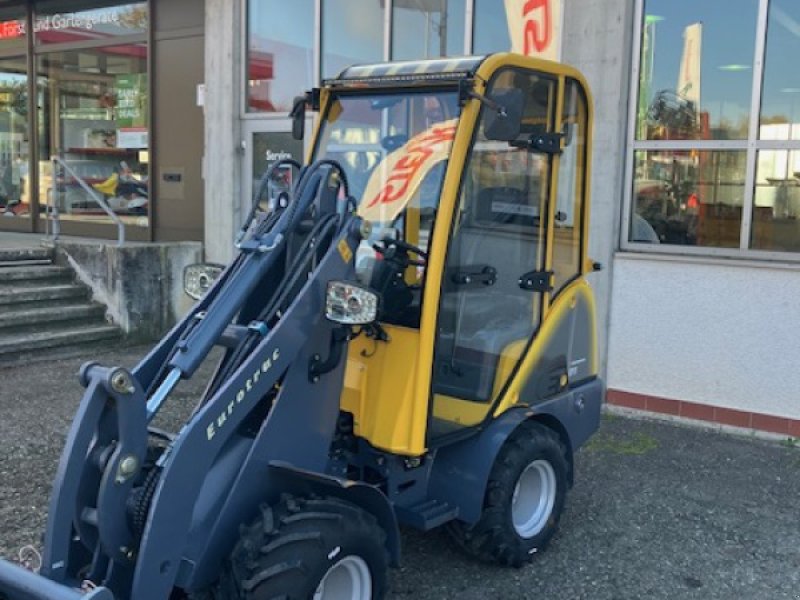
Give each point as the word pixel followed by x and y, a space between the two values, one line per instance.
pixel 390 388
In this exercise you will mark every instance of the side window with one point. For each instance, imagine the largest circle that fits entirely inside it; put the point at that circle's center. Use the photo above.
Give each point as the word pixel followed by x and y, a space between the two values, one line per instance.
pixel 571 186
pixel 488 314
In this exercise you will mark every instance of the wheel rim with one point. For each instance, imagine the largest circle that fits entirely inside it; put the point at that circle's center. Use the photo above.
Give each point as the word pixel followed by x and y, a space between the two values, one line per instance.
pixel 348 579
pixel 534 498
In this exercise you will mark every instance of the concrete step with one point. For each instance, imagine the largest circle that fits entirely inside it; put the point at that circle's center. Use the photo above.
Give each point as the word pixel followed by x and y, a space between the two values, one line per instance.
pixel 41 317
pixel 22 275
pixel 32 255
pixel 14 347
pixel 40 293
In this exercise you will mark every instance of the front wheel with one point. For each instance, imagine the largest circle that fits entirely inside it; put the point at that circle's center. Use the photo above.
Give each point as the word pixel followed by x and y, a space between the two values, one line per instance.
pixel 524 499
pixel 304 548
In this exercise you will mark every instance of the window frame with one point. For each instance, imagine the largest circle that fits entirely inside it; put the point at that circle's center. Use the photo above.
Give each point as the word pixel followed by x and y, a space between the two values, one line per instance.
pixel 752 146
pixel 316 45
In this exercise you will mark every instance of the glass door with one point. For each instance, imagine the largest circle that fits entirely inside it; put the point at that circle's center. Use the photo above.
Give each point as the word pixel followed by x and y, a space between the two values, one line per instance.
pixel 494 278
pixel 267 141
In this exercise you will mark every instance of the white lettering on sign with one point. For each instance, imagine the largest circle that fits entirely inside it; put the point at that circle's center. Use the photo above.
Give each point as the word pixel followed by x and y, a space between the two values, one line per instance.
pixel 279 155
pixel 74 21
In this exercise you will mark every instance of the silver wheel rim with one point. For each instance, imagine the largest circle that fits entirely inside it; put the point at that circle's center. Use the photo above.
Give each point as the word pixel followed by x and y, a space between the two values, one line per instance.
pixel 534 498
pixel 347 579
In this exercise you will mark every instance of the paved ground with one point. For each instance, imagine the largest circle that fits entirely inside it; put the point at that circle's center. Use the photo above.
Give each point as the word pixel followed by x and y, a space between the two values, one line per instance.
pixel 658 511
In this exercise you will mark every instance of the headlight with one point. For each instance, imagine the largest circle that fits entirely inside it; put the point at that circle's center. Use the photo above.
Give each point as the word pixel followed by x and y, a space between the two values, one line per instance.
pixel 198 278
pixel 351 304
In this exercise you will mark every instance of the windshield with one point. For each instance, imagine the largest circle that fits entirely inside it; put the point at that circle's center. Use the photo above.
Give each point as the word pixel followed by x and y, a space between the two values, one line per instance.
pixel 393 147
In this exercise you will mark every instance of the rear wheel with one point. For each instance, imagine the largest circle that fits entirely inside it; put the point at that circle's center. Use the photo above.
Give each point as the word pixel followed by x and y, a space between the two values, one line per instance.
pixel 524 499
pixel 304 548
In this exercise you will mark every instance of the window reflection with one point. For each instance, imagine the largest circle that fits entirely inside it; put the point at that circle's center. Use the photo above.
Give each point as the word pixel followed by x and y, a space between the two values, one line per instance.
pixel 688 197
pixel 280 55
pixel 491 28
pixel 780 104
pixel 352 32
pixel 93 113
pixel 696 69
pixel 776 214
pixel 427 28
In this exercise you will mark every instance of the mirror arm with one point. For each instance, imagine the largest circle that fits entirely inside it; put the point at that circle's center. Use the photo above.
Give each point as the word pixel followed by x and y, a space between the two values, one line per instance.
pixel 465 92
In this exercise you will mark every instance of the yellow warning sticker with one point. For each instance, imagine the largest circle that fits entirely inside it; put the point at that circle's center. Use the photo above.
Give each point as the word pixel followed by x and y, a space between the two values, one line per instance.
pixel 344 250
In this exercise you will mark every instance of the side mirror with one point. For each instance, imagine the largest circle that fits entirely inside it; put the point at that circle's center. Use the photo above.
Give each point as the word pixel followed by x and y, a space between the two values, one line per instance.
pixel 503 121
pixel 298 116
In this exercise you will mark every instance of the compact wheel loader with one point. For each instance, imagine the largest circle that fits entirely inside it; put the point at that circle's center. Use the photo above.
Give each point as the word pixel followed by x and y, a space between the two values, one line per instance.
pixel 406 335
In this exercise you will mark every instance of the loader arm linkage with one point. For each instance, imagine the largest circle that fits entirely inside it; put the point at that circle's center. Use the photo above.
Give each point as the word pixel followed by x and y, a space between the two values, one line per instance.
pixel 267 310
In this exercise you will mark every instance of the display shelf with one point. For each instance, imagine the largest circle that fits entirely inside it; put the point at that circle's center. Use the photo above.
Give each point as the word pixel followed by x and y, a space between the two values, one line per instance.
pixel 102 151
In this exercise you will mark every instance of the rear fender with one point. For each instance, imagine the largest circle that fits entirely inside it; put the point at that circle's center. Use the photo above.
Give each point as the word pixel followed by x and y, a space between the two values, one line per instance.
pixel 461 470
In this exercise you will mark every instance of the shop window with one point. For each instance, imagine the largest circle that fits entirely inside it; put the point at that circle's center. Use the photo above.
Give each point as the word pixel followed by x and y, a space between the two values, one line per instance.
pixel 688 197
pixel 703 172
pixel 696 69
pixel 776 214
pixel 427 28
pixel 280 53
pixel 14 147
pixel 780 104
pixel 352 32
pixel 61 21
pixel 93 114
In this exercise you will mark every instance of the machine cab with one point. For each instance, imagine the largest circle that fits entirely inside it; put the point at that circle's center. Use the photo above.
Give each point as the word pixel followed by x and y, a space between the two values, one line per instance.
pixel 476 168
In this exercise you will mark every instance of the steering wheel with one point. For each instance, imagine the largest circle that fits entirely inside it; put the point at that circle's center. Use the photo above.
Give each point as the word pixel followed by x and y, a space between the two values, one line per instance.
pixel 392 245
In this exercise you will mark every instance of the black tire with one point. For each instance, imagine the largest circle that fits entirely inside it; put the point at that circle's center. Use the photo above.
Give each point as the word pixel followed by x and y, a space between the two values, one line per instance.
pixel 494 538
pixel 288 550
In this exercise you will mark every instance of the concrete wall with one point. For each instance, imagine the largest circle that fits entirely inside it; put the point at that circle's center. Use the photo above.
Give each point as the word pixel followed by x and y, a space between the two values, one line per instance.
pixel 598 36
pixel 140 284
pixel 723 333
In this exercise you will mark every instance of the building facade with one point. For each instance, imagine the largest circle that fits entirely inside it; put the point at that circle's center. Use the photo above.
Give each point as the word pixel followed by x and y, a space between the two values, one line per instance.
pixel 696 164
pixel 108 89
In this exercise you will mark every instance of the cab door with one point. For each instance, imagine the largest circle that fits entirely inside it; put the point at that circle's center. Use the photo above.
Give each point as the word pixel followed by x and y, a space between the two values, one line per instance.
pixel 494 283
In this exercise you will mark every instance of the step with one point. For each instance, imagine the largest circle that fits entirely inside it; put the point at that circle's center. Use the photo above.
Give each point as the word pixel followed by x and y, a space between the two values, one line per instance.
pixel 23 274
pixel 25 294
pixel 21 343
pixel 427 514
pixel 25 255
pixel 44 315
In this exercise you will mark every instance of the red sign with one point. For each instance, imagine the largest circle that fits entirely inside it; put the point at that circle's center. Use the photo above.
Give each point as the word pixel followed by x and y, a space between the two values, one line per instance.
pixel 538 18
pixel 11 30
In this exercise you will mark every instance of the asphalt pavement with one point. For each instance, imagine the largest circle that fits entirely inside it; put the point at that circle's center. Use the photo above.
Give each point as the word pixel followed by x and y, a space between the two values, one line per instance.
pixel 657 511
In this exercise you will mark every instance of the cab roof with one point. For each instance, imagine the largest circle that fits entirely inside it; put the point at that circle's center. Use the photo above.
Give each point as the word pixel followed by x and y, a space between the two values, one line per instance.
pixel 408 72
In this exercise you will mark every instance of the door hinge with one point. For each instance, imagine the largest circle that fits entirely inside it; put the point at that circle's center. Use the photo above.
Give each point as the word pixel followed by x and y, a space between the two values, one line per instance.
pixel 537 281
